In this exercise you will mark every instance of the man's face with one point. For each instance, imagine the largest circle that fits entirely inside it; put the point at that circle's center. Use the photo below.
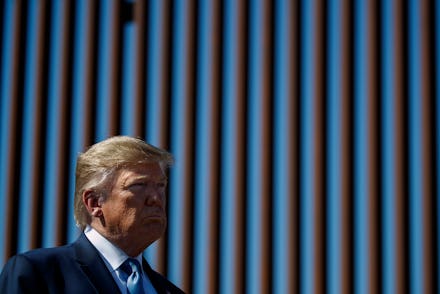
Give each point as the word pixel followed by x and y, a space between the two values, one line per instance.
pixel 134 211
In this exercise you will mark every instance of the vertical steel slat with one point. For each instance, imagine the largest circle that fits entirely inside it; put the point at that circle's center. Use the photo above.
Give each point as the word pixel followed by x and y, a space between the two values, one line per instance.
pixel 259 148
pixel 436 96
pixel 54 194
pixel 206 130
pixel 240 145
pixel 231 249
pixel 52 152
pixel 294 141
pixel 416 195
pixel 5 101
pixel 81 102
pixel 374 168
pixel 362 149
pixel 307 145
pixel 140 20
pixel 239 188
pixel 401 265
pixel 284 150
pixel 27 168
pixel 105 96
pixel 3 17
pixel 115 86
pixel 334 153
pixel 63 135
pixel 165 84
pixel 181 142
pixel 15 129
pixel 145 18
pixel 91 67
pixel 266 145
pixel 388 148
pixel 156 122
pixel 347 152
pixel 214 188
pixel 189 124
pixel 164 97
pixel 319 141
pixel 127 61
pixel 41 92
pixel 427 131
pixel 158 73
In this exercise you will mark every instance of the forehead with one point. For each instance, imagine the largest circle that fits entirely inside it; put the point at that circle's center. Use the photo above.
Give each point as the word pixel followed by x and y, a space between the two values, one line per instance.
pixel 150 170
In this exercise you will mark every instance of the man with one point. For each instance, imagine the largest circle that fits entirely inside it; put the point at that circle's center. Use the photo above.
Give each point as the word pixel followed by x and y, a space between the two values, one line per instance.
pixel 120 206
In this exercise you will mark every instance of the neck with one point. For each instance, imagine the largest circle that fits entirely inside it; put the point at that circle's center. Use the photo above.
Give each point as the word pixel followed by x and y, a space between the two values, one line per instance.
pixel 131 247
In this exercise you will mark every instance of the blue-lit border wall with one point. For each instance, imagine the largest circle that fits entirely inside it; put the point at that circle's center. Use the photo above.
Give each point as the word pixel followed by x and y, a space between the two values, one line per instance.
pixel 306 134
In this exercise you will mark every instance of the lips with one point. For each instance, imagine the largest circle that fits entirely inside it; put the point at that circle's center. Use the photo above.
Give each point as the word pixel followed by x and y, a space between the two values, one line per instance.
pixel 155 215
pixel 156 211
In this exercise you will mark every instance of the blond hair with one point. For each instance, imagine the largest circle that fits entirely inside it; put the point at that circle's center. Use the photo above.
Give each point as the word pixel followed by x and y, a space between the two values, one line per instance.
pixel 96 167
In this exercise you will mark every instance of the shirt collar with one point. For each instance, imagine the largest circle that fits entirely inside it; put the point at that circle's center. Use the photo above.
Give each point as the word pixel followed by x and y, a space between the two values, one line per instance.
pixel 111 253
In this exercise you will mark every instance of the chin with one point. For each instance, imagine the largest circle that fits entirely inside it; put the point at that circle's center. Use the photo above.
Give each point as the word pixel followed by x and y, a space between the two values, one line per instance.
pixel 154 234
pixel 156 225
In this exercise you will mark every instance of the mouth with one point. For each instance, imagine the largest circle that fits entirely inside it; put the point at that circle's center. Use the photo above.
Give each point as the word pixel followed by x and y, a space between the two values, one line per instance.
pixel 154 214
pixel 155 218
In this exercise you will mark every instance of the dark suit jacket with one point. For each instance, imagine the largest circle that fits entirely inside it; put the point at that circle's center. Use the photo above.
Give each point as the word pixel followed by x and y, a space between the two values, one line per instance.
pixel 75 268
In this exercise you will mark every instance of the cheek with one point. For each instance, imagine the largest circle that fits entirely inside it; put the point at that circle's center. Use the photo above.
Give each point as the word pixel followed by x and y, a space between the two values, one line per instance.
pixel 163 198
pixel 129 219
pixel 124 214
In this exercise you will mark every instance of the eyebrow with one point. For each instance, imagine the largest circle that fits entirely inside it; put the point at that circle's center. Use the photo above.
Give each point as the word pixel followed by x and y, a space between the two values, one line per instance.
pixel 142 178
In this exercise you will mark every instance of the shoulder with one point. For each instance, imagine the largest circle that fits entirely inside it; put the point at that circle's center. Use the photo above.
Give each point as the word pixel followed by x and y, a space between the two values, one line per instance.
pixel 25 272
pixel 39 259
pixel 44 256
pixel 20 275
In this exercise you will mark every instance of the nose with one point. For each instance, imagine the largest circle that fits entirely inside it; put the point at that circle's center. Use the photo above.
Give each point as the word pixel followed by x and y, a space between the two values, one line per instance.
pixel 155 198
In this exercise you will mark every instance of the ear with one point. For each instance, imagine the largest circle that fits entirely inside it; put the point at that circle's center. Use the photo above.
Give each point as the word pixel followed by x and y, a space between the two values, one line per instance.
pixel 92 202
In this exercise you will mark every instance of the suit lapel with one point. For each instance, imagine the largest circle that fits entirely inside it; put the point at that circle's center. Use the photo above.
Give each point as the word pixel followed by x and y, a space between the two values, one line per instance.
pixel 154 277
pixel 94 267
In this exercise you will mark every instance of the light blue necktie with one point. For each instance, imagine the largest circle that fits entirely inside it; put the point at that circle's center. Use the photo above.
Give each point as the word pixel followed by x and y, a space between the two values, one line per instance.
pixel 134 280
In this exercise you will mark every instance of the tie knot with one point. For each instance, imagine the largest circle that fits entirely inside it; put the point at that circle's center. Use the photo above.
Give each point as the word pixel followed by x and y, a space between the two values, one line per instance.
pixel 133 270
pixel 131 265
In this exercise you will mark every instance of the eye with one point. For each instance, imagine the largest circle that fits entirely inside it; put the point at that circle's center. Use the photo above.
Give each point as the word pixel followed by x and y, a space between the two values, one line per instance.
pixel 161 185
pixel 138 184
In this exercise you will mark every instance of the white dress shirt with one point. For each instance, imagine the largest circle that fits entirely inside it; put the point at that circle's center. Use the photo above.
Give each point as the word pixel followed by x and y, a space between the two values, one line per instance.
pixel 113 258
